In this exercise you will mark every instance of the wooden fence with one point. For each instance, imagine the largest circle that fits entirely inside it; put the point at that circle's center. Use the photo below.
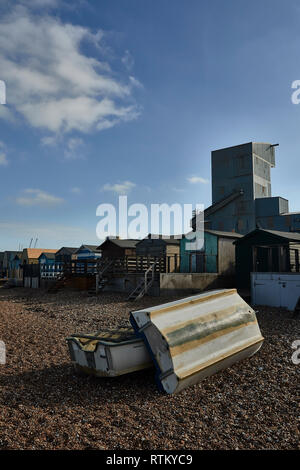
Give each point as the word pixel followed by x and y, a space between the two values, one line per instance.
pixel 127 264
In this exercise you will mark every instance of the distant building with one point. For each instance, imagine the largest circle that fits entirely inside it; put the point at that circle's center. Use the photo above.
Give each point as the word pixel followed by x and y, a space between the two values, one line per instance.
pixel 118 248
pixel 216 256
pixel 65 254
pixel 49 267
pixel 158 246
pixel 9 262
pixel 88 252
pixel 266 251
pixel 47 258
pixel 1 263
pixel 31 255
pixel 241 192
pixel 16 271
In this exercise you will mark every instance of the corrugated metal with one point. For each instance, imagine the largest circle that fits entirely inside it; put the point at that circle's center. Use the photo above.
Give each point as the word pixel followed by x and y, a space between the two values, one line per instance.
pixel 271 206
pixel 244 167
pixel 193 338
pixel 109 353
pixel 247 167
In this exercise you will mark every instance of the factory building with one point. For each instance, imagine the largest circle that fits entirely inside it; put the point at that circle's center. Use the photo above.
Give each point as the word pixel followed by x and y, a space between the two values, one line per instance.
pixel 241 192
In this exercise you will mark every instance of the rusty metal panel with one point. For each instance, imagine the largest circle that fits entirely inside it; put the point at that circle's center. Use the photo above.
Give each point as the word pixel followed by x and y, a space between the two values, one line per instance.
pixel 196 337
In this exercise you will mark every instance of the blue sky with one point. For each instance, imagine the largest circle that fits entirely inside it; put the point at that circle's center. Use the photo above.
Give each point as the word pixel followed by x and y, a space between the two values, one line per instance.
pixel 109 97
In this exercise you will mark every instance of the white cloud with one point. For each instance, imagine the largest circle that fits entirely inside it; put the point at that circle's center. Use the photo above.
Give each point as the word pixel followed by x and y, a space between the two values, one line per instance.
pixel 120 188
pixel 3 159
pixel 37 197
pixel 197 179
pixel 49 140
pixel 73 144
pixel 52 83
pixel 40 3
pixel 75 190
pixel 135 82
pixel 6 114
pixel 128 60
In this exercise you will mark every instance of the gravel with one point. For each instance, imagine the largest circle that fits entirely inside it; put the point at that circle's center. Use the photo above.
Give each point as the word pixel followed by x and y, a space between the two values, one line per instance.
pixel 44 405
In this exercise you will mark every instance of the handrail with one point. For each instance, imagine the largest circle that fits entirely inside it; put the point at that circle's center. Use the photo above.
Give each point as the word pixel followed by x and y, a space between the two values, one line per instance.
pixel 106 266
pixel 150 269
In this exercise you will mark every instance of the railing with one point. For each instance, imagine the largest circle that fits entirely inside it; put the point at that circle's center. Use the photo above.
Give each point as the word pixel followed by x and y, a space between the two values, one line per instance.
pixel 127 264
pixel 138 264
pixel 43 270
pixel 150 271
pixel 51 271
pixel 193 262
pixel 105 266
pixel 81 267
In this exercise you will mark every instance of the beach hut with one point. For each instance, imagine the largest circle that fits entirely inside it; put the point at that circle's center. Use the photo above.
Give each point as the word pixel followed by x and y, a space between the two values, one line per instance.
pixel 118 248
pixel 216 256
pixel 88 252
pixel 31 255
pixel 65 254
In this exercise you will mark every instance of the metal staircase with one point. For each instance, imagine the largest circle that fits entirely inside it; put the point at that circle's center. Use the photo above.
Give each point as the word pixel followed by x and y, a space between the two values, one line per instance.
pixel 105 265
pixel 142 288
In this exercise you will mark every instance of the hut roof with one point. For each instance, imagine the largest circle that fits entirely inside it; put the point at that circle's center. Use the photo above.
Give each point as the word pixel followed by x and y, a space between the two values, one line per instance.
pixel 34 253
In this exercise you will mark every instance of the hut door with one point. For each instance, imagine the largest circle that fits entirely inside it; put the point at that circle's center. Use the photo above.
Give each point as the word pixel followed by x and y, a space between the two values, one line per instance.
pixel 262 260
pixel 192 263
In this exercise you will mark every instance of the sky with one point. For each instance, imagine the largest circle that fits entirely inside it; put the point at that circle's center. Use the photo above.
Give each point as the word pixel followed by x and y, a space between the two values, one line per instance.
pixel 107 98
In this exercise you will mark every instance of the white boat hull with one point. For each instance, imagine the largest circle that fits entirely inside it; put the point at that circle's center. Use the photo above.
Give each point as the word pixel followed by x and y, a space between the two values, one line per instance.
pixel 109 354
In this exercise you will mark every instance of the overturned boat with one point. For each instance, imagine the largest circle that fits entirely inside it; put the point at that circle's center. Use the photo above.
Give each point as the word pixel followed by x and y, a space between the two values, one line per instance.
pixel 196 337
pixel 109 353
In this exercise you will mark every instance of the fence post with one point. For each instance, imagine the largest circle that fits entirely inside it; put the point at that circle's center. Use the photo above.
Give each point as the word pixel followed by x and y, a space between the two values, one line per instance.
pixel 297 260
pixel 97 283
